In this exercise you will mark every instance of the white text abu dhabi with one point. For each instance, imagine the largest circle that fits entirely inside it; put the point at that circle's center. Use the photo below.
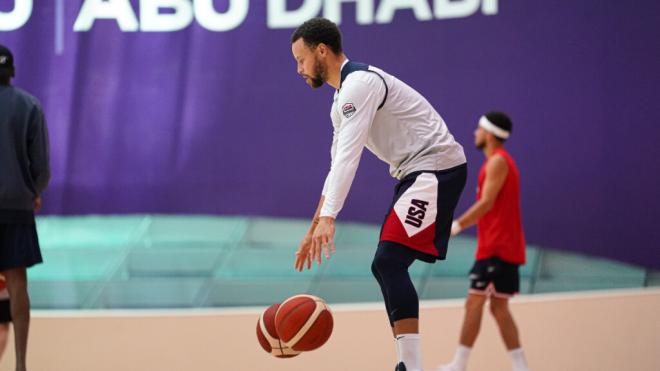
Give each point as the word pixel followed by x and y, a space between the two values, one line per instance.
pixel 175 15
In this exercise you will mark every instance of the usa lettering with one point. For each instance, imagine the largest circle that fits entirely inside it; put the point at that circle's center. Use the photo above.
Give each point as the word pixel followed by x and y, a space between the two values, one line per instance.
pixel 416 213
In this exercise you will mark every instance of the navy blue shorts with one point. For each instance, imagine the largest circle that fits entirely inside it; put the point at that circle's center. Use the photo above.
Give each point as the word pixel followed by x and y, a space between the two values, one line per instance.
pixel 422 211
pixel 494 276
pixel 19 246
pixel 5 312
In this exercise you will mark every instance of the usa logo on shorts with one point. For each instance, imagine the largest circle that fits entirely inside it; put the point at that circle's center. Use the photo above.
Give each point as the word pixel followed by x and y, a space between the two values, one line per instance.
pixel 348 109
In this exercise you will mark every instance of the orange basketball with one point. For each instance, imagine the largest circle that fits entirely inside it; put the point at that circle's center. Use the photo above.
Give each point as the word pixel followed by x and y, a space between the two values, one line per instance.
pixel 267 335
pixel 304 322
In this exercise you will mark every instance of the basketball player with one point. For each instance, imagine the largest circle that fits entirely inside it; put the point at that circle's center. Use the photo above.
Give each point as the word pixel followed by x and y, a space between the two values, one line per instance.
pixel 500 243
pixel 374 109
pixel 24 175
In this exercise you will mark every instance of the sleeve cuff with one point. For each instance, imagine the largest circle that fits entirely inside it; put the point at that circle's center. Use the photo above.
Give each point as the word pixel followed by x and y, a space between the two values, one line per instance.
pixel 327 212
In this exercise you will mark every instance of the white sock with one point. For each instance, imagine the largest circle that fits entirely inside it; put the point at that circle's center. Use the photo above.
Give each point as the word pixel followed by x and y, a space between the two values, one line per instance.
pixel 398 352
pixel 518 359
pixel 461 357
pixel 409 350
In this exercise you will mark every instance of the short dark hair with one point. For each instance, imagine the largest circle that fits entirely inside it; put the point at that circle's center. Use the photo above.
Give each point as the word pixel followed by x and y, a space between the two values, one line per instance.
pixel 501 120
pixel 319 30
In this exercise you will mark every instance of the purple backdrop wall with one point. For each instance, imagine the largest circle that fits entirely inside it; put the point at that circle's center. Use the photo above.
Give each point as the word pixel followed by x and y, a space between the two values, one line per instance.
pixel 201 121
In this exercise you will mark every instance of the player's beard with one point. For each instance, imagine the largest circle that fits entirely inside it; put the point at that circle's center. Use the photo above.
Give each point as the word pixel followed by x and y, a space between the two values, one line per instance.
pixel 480 145
pixel 318 79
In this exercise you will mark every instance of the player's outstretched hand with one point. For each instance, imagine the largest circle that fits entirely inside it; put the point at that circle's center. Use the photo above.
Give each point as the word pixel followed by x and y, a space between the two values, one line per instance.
pixel 303 255
pixel 322 240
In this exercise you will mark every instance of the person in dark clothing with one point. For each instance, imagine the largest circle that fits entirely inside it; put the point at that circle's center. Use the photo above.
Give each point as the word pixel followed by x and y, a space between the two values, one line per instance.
pixel 24 174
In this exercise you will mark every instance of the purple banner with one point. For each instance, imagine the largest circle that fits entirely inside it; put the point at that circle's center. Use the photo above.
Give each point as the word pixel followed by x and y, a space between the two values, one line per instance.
pixel 182 106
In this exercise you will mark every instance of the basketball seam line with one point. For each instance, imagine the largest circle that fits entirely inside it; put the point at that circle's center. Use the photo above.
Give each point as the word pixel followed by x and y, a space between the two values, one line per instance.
pixel 275 344
pixel 308 324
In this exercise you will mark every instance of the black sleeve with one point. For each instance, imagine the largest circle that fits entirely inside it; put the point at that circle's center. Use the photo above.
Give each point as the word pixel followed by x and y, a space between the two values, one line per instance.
pixel 37 147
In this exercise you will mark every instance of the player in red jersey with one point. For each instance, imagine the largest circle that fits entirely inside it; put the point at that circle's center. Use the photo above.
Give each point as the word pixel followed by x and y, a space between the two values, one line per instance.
pixel 500 243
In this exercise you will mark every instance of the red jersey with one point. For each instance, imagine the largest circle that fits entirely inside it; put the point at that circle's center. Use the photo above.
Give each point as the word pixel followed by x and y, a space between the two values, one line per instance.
pixel 499 231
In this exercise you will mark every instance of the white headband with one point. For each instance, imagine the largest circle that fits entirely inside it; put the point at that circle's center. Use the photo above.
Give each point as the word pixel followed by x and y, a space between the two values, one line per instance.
pixel 491 128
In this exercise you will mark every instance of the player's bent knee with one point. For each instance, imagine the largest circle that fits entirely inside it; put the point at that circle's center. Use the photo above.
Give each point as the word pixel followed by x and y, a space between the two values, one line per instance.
pixel 380 262
pixel 374 271
pixel 391 271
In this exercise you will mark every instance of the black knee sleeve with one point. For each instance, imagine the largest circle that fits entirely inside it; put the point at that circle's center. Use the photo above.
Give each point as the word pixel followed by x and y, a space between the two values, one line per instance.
pixel 390 267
